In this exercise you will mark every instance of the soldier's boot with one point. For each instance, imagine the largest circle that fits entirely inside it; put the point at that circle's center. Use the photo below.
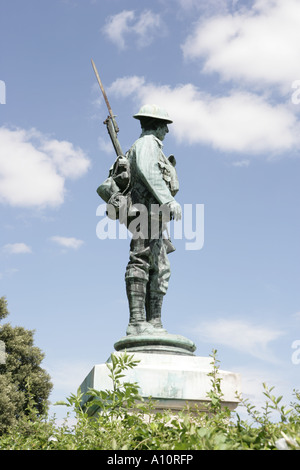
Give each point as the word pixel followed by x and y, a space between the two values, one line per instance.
pixel 136 294
pixel 153 309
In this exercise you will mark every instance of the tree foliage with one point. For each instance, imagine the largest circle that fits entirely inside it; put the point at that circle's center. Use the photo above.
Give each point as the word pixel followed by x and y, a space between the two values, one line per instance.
pixel 21 377
pixel 3 308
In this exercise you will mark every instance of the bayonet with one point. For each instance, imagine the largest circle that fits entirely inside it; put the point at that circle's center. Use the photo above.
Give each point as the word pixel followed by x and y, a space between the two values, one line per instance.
pixel 110 122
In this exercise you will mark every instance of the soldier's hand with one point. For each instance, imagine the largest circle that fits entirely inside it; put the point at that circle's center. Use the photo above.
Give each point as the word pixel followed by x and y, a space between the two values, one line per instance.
pixel 175 210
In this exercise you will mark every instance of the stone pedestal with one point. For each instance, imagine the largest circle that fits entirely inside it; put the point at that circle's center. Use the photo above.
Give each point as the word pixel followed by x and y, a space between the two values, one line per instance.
pixel 173 380
pixel 157 341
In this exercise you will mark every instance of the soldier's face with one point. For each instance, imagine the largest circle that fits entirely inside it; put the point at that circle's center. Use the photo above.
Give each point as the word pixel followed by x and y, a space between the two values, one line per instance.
pixel 161 131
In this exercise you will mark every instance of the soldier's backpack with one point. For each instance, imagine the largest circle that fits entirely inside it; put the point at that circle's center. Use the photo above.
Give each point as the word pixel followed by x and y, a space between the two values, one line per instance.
pixel 115 190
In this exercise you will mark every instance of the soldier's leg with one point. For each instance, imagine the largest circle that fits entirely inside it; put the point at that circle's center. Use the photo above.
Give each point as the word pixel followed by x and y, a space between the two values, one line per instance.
pixel 159 275
pixel 136 278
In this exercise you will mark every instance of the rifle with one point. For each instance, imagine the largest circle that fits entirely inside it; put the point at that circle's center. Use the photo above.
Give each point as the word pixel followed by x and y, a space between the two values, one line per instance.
pixel 114 190
pixel 110 122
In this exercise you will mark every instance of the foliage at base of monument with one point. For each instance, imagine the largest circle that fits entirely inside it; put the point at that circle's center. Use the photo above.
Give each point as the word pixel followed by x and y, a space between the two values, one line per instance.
pixel 21 377
pixel 126 422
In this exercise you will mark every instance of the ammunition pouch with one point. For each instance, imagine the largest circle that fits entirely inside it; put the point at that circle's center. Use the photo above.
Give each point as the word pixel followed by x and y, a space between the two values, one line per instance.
pixel 169 173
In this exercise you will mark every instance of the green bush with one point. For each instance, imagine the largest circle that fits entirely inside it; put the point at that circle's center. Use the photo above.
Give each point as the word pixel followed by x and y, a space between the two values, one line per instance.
pixel 126 422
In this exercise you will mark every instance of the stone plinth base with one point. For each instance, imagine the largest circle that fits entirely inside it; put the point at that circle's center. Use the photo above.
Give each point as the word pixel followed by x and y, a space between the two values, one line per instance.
pixel 164 343
pixel 172 380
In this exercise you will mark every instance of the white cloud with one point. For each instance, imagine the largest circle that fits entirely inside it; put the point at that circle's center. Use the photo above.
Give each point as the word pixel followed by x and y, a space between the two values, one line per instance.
pixel 67 242
pixel 143 27
pixel 117 26
pixel 105 145
pixel 238 122
pixel 147 26
pixel 126 86
pixel 8 272
pixel 188 4
pixel 252 386
pixel 70 162
pixel 205 6
pixel 259 45
pixel 33 168
pixel 241 163
pixel 241 336
pixel 16 248
pixel 11 272
pixel 66 375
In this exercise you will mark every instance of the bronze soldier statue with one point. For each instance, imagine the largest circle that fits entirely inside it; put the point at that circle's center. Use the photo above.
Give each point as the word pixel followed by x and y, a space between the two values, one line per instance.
pixel 153 185
pixel 140 191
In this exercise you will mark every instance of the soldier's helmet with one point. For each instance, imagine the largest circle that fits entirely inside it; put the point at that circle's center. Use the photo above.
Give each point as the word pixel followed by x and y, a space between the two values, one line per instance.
pixel 153 111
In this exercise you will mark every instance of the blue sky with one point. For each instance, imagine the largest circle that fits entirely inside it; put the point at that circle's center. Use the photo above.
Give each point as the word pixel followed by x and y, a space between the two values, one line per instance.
pixel 227 73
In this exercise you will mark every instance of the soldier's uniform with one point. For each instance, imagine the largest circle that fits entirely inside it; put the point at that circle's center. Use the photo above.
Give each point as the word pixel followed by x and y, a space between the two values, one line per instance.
pixel 153 182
